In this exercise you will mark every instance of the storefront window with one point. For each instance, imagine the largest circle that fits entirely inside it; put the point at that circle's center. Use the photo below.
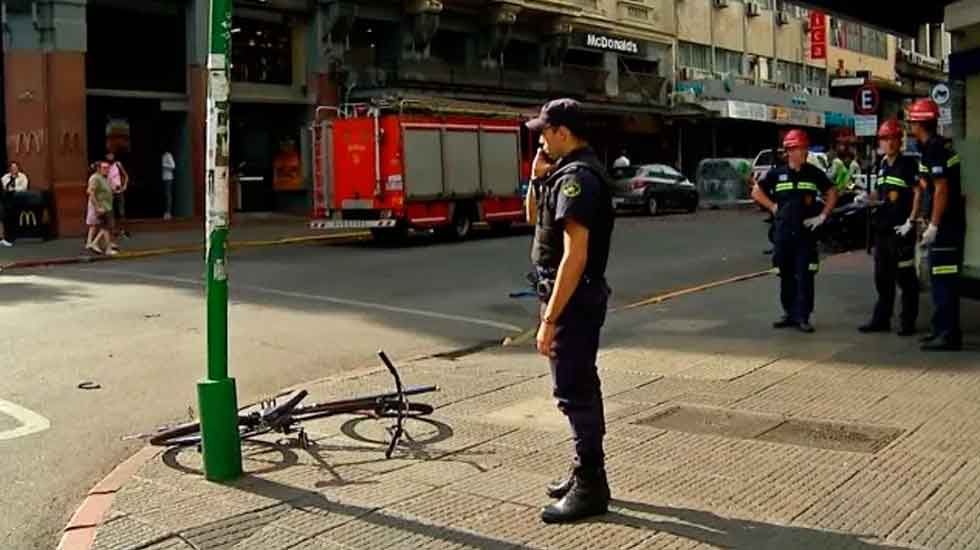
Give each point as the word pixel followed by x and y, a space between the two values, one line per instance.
pixel 858 38
pixel 136 50
pixel 262 52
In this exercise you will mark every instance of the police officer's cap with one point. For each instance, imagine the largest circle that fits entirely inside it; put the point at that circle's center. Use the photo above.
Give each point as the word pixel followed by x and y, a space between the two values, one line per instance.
pixel 559 112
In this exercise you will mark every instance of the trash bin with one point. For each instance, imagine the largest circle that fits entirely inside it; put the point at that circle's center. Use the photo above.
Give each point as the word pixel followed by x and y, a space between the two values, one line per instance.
pixel 29 215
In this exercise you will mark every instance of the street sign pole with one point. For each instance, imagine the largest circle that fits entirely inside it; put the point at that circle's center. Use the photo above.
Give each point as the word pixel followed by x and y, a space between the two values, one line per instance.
pixel 217 400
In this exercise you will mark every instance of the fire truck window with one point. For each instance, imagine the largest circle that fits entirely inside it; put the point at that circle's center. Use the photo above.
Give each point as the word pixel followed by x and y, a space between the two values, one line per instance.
pixel 262 52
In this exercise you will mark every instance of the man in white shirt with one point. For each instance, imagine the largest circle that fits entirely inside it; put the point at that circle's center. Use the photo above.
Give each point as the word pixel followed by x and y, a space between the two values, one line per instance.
pixel 11 182
pixel 623 161
pixel 167 175
pixel 14 179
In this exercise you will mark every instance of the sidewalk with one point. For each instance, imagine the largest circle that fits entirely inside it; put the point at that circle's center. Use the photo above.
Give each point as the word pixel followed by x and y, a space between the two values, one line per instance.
pixel 721 434
pixel 249 231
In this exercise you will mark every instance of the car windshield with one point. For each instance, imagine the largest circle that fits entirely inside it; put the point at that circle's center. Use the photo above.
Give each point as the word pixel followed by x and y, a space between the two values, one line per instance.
pixel 625 172
pixel 669 171
pixel 765 159
pixel 716 170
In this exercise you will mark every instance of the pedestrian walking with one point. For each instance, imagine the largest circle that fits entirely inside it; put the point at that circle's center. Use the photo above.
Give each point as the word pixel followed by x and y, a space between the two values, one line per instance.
pixel 790 192
pixel 898 206
pixel 119 181
pixel 167 167
pixel 570 205
pixel 98 214
pixel 939 175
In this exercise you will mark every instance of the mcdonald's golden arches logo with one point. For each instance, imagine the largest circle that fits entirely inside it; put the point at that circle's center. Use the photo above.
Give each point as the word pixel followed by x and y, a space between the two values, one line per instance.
pixel 28 216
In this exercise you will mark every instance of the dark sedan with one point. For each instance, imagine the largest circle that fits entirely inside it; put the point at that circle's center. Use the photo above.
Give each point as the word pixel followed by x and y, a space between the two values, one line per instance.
pixel 652 188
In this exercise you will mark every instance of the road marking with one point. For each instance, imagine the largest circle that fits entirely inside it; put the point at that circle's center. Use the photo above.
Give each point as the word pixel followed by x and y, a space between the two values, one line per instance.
pixel 326 299
pixel 30 421
pixel 691 290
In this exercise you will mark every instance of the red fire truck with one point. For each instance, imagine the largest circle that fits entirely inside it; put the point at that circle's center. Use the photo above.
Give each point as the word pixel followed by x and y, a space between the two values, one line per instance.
pixel 390 166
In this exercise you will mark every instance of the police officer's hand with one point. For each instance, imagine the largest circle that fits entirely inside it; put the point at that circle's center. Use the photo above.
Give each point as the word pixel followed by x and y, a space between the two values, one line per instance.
pixel 542 165
pixel 903 230
pixel 546 338
pixel 929 236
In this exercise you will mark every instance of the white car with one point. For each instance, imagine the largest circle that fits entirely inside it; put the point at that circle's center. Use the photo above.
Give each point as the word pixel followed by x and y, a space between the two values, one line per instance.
pixel 766 159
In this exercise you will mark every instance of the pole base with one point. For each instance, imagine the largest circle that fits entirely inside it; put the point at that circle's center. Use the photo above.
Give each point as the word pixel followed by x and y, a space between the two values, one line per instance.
pixel 222 448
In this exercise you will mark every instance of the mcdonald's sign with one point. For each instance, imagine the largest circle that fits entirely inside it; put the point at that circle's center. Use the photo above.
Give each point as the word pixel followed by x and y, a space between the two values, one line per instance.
pixel 28 218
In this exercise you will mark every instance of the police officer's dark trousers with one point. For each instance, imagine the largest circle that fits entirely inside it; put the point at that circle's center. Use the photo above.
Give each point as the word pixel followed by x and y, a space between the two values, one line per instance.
pixel 946 264
pixel 797 261
pixel 575 376
pixel 895 263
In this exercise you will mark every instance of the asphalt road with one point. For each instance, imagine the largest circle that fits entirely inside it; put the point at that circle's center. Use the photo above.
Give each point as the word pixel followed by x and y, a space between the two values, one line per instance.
pixel 298 313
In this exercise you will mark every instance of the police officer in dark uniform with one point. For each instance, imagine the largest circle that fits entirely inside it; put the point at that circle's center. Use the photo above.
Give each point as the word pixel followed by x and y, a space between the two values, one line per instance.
pixel 570 204
pixel 790 192
pixel 940 176
pixel 899 198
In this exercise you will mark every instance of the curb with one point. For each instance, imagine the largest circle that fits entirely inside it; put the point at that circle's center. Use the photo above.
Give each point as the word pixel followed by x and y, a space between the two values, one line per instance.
pixel 79 534
pixel 69 260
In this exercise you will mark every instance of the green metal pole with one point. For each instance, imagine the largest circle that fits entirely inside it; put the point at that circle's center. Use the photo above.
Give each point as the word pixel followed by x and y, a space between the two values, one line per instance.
pixel 216 395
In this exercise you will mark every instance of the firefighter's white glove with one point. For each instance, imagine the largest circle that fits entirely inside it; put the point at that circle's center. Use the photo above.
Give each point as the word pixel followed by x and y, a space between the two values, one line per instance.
pixel 815 222
pixel 929 236
pixel 903 230
pixel 861 198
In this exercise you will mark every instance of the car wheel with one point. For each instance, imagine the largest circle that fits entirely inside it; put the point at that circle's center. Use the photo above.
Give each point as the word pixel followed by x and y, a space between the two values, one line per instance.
pixel 652 206
pixel 692 206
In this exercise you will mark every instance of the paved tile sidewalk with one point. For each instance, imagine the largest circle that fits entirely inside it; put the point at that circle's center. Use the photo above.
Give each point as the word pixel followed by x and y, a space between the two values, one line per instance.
pixel 472 475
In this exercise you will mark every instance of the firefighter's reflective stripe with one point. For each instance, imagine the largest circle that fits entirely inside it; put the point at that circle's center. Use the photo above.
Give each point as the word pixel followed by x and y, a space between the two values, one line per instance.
pixel 953 161
pixel 906 263
pixel 923 169
pixel 784 187
pixel 815 267
pixel 945 270
pixel 897 182
pixel 807 186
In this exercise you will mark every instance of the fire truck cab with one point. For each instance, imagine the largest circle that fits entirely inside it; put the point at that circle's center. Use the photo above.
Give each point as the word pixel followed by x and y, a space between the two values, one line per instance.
pixel 395 165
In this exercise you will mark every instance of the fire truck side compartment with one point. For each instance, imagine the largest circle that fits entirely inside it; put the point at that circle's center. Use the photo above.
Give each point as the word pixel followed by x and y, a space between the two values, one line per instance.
pixel 423 163
pixel 500 162
pixel 462 160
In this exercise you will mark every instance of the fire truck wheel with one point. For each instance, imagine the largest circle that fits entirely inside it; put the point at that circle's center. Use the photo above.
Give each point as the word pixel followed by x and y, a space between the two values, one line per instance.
pixel 461 226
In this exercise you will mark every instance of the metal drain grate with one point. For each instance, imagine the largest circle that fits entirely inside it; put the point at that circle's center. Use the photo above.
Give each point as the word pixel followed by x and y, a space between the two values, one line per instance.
pixel 818 434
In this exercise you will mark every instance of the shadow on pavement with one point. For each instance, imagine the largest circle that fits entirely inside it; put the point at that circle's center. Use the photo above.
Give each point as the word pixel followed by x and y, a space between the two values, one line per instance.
pixel 15 293
pixel 717 531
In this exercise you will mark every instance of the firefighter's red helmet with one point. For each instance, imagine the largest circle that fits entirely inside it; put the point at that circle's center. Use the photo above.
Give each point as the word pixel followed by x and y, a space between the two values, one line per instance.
pixel 795 138
pixel 890 129
pixel 923 110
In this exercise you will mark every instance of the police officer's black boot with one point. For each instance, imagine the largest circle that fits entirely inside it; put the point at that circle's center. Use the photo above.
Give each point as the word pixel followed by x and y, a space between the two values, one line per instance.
pixel 589 496
pixel 559 488
pixel 944 343
pixel 875 326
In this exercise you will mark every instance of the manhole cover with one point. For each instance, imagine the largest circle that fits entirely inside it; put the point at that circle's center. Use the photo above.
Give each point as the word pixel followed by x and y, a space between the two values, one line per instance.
pixel 712 421
pixel 818 434
pixel 833 436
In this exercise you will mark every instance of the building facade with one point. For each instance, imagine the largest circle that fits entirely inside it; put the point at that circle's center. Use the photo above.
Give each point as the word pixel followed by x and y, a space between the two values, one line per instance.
pixel 670 80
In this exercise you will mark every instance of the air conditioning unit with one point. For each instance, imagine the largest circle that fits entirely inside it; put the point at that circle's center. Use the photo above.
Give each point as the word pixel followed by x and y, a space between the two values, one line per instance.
pixel 721 3
pixel 782 17
pixel 753 9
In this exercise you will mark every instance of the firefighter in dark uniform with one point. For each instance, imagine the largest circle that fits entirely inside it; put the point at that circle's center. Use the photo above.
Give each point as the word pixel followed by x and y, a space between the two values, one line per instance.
pixel 939 175
pixel 790 192
pixel 570 204
pixel 899 197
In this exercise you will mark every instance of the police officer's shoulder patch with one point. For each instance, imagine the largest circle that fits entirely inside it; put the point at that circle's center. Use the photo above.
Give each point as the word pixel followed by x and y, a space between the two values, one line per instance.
pixel 783 177
pixel 571 188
